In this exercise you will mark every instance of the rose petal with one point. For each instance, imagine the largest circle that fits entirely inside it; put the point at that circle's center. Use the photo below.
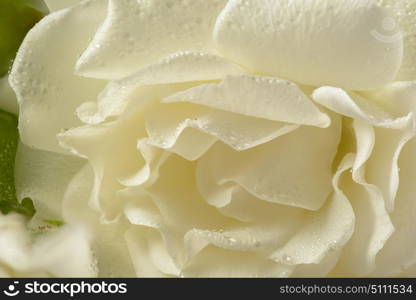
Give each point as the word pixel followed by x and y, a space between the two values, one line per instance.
pixel 176 68
pixel 282 171
pixel 107 240
pixel 318 270
pixel 42 75
pixel 357 107
pixel 326 230
pixel 54 5
pixel 398 254
pixel 359 254
pixel 138 33
pixel 176 207
pixel 404 17
pixel 181 67
pixel 43 176
pixel 383 170
pixel 398 98
pixel 149 254
pixel 112 156
pixel 218 262
pixel 311 42
pixel 166 123
pixel 154 157
pixel 257 96
pixel 243 206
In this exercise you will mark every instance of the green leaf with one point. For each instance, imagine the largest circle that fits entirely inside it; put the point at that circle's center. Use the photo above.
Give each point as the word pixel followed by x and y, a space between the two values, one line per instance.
pixel 16 18
pixel 9 136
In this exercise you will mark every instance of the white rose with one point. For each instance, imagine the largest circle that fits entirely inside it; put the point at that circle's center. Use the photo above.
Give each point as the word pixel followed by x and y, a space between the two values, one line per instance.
pixel 225 138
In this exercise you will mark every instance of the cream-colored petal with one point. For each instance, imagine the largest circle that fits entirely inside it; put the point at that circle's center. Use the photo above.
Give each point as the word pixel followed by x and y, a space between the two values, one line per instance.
pixel 176 68
pixel 218 262
pixel 399 252
pixel 324 231
pixel 404 13
pixel 111 148
pixel 257 96
pixel 282 171
pixel 397 98
pixel 373 225
pixel 181 67
pixel 154 157
pixel 327 42
pixel 176 196
pixel 54 5
pixel 383 170
pixel 262 237
pixel 149 254
pixel 42 75
pixel 357 107
pixel 116 99
pixel 408 272
pixel 243 206
pixel 138 33
pixel 166 123
pixel 107 242
pixel 318 270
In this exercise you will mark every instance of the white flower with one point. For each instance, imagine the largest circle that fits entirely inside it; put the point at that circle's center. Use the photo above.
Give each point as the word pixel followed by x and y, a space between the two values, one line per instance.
pixel 225 138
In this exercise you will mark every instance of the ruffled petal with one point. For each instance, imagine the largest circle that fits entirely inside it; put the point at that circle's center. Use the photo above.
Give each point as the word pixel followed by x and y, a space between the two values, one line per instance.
pixel 318 270
pixel 328 42
pixel 117 98
pixel 324 231
pixel 42 74
pixel 43 176
pixel 243 206
pixel 113 156
pixel 399 252
pixel 383 170
pixel 359 108
pixel 108 244
pixel 219 262
pixel 257 96
pixel 176 68
pixel 181 67
pixel 148 253
pixel 166 123
pixel 171 206
pixel 282 171
pixel 138 33
pixel 373 225
pixel 154 157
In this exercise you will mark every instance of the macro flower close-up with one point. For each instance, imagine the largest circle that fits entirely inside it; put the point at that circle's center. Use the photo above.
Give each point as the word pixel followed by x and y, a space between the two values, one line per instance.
pixel 210 138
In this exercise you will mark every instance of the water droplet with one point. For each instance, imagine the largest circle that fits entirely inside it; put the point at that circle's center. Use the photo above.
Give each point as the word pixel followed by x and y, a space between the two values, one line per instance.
pixel 286 258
